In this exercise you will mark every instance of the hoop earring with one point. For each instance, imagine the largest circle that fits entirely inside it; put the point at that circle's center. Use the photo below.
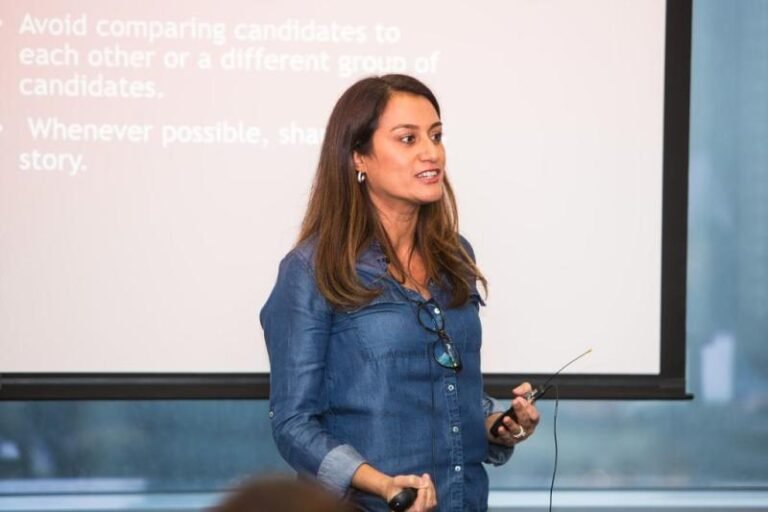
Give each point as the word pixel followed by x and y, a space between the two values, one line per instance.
pixel 360 177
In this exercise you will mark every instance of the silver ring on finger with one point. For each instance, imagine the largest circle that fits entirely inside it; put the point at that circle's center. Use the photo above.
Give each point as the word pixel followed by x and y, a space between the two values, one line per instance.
pixel 521 434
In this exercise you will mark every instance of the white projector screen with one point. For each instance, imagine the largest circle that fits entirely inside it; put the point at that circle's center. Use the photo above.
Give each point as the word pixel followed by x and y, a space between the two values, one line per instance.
pixel 157 157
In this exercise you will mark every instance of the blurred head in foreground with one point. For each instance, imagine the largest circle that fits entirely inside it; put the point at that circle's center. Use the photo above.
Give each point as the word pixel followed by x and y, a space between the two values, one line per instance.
pixel 281 494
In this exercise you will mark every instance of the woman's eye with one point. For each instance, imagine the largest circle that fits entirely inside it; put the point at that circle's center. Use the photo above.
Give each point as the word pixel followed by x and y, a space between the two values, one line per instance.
pixel 437 137
pixel 408 139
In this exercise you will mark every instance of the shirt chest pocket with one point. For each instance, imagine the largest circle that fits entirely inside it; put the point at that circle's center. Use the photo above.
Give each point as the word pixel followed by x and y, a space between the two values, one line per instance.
pixel 386 328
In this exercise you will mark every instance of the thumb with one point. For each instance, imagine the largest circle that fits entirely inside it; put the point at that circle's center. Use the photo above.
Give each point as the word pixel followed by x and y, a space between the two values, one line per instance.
pixel 522 389
pixel 408 481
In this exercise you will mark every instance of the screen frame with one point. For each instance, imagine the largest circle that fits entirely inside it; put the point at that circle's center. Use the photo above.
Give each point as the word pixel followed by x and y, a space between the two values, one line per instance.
pixel 670 383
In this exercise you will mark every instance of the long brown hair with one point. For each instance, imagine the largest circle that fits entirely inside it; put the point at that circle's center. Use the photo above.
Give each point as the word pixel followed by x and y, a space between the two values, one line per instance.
pixel 341 218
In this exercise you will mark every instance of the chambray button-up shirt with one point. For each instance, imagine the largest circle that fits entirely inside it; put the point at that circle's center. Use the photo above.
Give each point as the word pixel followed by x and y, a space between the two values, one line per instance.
pixel 348 387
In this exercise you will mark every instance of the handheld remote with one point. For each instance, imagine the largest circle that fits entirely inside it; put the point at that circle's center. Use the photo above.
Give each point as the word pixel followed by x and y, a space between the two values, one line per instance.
pixel 532 396
pixel 402 500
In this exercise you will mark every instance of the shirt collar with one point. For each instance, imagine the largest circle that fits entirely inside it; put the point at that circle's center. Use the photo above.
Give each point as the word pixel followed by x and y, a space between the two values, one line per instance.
pixel 372 259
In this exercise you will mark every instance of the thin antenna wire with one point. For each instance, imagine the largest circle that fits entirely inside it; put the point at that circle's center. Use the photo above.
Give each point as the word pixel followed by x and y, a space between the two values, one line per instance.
pixel 554 470
pixel 544 387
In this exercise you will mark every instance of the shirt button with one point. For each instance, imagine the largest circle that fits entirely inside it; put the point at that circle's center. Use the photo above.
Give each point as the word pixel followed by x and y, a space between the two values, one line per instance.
pixel 271 414
pixel 451 387
pixel 455 429
pixel 457 469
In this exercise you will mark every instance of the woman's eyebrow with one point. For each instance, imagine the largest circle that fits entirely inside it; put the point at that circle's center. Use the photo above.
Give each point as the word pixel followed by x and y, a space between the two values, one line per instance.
pixel 415 126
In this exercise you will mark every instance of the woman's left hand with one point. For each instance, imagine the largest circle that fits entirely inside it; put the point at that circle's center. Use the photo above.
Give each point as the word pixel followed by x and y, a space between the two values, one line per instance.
pixel 512 432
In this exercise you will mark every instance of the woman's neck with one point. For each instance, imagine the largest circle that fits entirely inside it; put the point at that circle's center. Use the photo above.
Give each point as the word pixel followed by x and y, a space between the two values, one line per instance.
pixel 400 227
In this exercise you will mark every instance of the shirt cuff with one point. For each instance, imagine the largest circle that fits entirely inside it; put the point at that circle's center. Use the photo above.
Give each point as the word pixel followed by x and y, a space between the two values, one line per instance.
pixel 491 405
pixel 338 467
pixel 497 454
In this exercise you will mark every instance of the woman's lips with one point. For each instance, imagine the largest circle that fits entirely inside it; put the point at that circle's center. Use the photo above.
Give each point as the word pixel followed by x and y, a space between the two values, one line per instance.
pixel 429 176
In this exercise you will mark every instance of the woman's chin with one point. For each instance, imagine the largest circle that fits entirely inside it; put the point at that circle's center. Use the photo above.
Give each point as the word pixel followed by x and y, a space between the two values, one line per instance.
pixel 432 196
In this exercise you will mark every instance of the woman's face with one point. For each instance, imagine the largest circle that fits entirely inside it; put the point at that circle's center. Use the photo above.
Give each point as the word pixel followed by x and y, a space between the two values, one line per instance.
pixel 407 162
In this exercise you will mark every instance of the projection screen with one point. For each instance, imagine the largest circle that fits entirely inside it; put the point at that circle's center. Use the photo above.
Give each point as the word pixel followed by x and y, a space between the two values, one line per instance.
pixel 157 158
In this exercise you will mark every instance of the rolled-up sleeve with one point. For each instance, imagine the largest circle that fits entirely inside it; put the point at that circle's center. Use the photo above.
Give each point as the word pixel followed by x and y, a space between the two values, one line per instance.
pixel 497 454
pixel 297 323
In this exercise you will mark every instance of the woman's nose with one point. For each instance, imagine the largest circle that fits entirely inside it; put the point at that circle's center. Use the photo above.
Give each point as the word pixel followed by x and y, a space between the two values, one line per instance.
pixel 429 150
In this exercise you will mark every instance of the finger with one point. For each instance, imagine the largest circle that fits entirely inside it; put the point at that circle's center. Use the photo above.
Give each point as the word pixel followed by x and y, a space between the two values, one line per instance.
pixel 421 499
pixel 528 417
pixel 509 422
pixel 510 425
pixel 525 423
pixel 408 481
pixel 520 405
pixel 420 504
pixel 424 495
pixel 504 436
pixel 522 389
pixel 514 429
pixel 430 498
pixel 533 414
pixel 507 431
pixel 431 502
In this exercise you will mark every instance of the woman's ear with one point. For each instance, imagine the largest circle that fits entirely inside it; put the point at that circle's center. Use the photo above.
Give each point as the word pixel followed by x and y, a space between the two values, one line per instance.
pixel 359 161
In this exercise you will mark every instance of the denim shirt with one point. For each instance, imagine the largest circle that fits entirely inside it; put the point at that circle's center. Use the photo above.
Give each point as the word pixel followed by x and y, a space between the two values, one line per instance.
pixel 348 387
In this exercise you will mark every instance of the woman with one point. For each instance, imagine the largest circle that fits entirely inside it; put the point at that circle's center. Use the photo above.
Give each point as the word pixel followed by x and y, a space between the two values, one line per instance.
pixel 372 328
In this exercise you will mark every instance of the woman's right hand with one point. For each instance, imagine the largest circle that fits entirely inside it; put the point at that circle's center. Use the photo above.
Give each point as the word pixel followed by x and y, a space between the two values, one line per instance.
pixel 426 497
